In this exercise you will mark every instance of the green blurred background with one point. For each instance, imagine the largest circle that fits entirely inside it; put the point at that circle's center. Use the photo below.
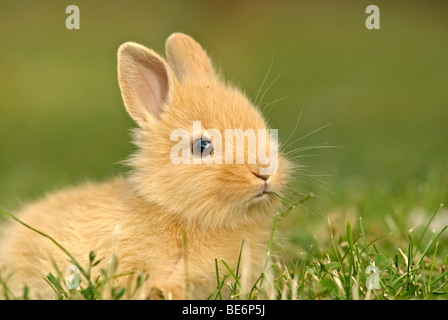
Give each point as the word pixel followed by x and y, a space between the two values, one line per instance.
pixel 383 92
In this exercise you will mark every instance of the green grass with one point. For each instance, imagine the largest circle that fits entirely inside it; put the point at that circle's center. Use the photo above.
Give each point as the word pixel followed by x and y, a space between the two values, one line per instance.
pixel 382 92
pixel 338 270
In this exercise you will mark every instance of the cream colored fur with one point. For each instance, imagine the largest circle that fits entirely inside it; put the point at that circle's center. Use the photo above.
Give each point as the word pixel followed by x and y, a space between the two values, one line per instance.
pixel 151 212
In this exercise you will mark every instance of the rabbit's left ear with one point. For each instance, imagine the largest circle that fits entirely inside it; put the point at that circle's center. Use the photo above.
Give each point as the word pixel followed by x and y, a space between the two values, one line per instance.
pixel 145 82
pixel 186 57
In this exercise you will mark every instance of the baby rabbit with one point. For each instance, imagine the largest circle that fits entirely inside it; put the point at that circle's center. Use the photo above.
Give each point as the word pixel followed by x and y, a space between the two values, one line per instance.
pixel 170 218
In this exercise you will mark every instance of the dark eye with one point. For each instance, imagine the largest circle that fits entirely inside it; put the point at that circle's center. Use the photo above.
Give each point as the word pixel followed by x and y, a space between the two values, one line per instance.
pixel 202 147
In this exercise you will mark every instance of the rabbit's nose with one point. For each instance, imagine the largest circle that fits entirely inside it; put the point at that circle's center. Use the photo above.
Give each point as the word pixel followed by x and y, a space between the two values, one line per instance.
pixel 265 177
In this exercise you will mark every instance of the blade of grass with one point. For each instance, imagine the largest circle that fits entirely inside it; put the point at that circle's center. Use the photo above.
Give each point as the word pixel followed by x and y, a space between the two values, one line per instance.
pixel 8 294
pixel 440 277
pixel 375 240
pixel 293 205
pixel 232 274
pixel 431 243
pixel 363 236
pixel 408 278
pixel 239 260
pixel 218 287
pixel 305 264
pixel 432 266
pixel 336 252
pixel 427 224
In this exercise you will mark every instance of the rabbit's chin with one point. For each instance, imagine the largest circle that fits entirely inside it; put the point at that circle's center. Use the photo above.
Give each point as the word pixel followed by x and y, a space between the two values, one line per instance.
pixel 258 209
pixel 212 214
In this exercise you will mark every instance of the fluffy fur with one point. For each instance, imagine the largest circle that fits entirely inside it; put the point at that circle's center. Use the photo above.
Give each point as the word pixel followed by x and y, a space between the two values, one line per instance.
pixel 170 220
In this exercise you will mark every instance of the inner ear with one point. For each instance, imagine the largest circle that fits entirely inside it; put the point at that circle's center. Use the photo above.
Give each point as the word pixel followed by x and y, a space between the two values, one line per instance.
pixel 144 80
pixel 154 86
pixel 186 57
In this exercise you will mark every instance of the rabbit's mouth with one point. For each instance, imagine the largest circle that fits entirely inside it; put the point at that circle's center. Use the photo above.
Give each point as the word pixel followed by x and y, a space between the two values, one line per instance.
pixel 265 191
pixel 263 194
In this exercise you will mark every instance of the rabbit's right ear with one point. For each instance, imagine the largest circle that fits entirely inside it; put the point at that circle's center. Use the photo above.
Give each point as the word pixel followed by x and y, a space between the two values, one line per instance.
pixel 187 58
pixel 145 82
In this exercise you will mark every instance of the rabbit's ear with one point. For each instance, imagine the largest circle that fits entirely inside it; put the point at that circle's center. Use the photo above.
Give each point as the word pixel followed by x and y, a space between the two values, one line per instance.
pixel 145 82
pixel 186 57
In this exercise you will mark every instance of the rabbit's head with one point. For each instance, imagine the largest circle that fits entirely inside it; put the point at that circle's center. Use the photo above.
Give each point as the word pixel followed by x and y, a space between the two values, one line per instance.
pixel 205 153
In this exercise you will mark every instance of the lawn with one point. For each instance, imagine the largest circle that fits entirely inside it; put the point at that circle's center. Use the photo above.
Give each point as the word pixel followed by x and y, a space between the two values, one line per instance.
pixel 373 109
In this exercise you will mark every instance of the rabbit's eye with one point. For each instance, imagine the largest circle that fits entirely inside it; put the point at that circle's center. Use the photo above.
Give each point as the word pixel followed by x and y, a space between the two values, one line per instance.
pixel 202 147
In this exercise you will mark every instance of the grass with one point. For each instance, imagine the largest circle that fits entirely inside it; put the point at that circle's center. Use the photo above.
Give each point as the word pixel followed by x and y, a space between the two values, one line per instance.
pixel 341 272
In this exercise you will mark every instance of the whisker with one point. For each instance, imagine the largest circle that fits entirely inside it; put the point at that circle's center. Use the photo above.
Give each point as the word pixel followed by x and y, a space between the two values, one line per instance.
pixel 299 156
pixel 273 105
pixel 295 192
pixel 272 83
pixel 322 187
pixel 302 206
pixel 287 195
pixel 264 80
pixel 294 202
pixel 295 127
pixel 316 179
pixel 308 134
pixel 322 175
pixel 312 180
pixel 310 147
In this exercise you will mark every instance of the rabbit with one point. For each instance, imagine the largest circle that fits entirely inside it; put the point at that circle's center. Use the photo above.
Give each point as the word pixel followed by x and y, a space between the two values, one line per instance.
pixel 173 221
